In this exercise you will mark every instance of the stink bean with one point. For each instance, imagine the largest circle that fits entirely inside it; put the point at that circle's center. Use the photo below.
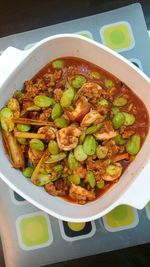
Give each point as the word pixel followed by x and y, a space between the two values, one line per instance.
pixel 33 108
pixel 95 75
pixel 129 119
pixel 74 178
pixel 109 84
pixel 101 152
pixel 53 147
pixel 94 128
pixel 120 101
pixel 103 102
pixel 78 81
pixel 6 117
pixel 133 145
pixel 43 101
pixel 57 64
pixel 118 120
pixel 56 158
pixel 67 97
pixel 89 145
pixel 100 184
pixel 58 168
pixel 23 127
pixel 72 163
pixel 60 122
pixel 22 141
pixel 114 170
pixel 115 110
pixel 56 111
pixel 27 172
pixel 36 144
pixel 119 140
pixel 81 138
pixel 42 179
pixel 79 153
pixel 90 178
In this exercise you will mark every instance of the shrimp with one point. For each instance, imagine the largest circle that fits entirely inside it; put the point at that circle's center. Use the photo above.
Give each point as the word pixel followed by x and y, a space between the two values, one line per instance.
pixel 67 138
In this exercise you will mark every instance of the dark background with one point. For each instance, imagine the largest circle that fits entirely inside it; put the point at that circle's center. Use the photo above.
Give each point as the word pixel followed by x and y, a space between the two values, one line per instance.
pixel 18 16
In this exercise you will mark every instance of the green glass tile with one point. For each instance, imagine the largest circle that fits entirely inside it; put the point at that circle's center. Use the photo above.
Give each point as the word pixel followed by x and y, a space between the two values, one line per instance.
pixel 121 217
pixel 34 230
pixel 86 34
pixel 118 36
pixel 148 205
pixel 72 231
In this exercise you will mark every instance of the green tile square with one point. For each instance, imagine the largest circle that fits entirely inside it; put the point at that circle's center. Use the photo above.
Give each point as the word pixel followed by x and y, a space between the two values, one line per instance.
pixel 118 36
pixel 34 231
pixel 73 231
pixel 86 34
pixel 148 210
pixel 121 218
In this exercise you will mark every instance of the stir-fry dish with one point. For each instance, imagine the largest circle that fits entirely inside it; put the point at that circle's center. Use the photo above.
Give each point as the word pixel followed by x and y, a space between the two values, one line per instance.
pixel 73 129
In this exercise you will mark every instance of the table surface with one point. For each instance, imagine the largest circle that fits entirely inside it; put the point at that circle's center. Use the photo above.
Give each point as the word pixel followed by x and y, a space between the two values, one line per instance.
pixel 18 16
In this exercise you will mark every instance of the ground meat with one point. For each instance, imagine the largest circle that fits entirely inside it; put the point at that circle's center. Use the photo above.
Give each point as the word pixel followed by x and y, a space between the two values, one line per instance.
pixel 98 167
pixel 81 171
pixel 128 133
pixel 112 148
pixel 34 156
pixel 81 195
pixel 58 188
pixel 45 115
pixel 58 92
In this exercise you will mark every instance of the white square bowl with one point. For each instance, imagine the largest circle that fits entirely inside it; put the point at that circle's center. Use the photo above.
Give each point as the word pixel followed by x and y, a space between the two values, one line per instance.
pixel 16 66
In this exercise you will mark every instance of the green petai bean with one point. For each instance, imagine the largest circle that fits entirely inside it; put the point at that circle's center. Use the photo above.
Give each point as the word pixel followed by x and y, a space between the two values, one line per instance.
pixel 118 120
pixel 42 179
pixel 56 111
pixel 74 178
pixel 109 84
pixel 37 144
pixel 27 172
pixel 56 158
pixel 6 118
pixel 103 102
pixel 58 64
pixel 78 81
pixel 33 108
pixel 120 101
pixel 100 184
pixel 113 170
pixel 22 141
pixel 58 168
pixel 133 145
pixel 23 127
pixel 90 178
pixel 53 147
pixel 79 153
pixel 94 128
pixel 60 122
pixel 115 110
pixel 119 140
pixel 72 163
pixel 89 145
pixel 82 137
pixel 43 101
pixel 67 97
pixel 101 152
pixel 95 75
pixel 129 119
